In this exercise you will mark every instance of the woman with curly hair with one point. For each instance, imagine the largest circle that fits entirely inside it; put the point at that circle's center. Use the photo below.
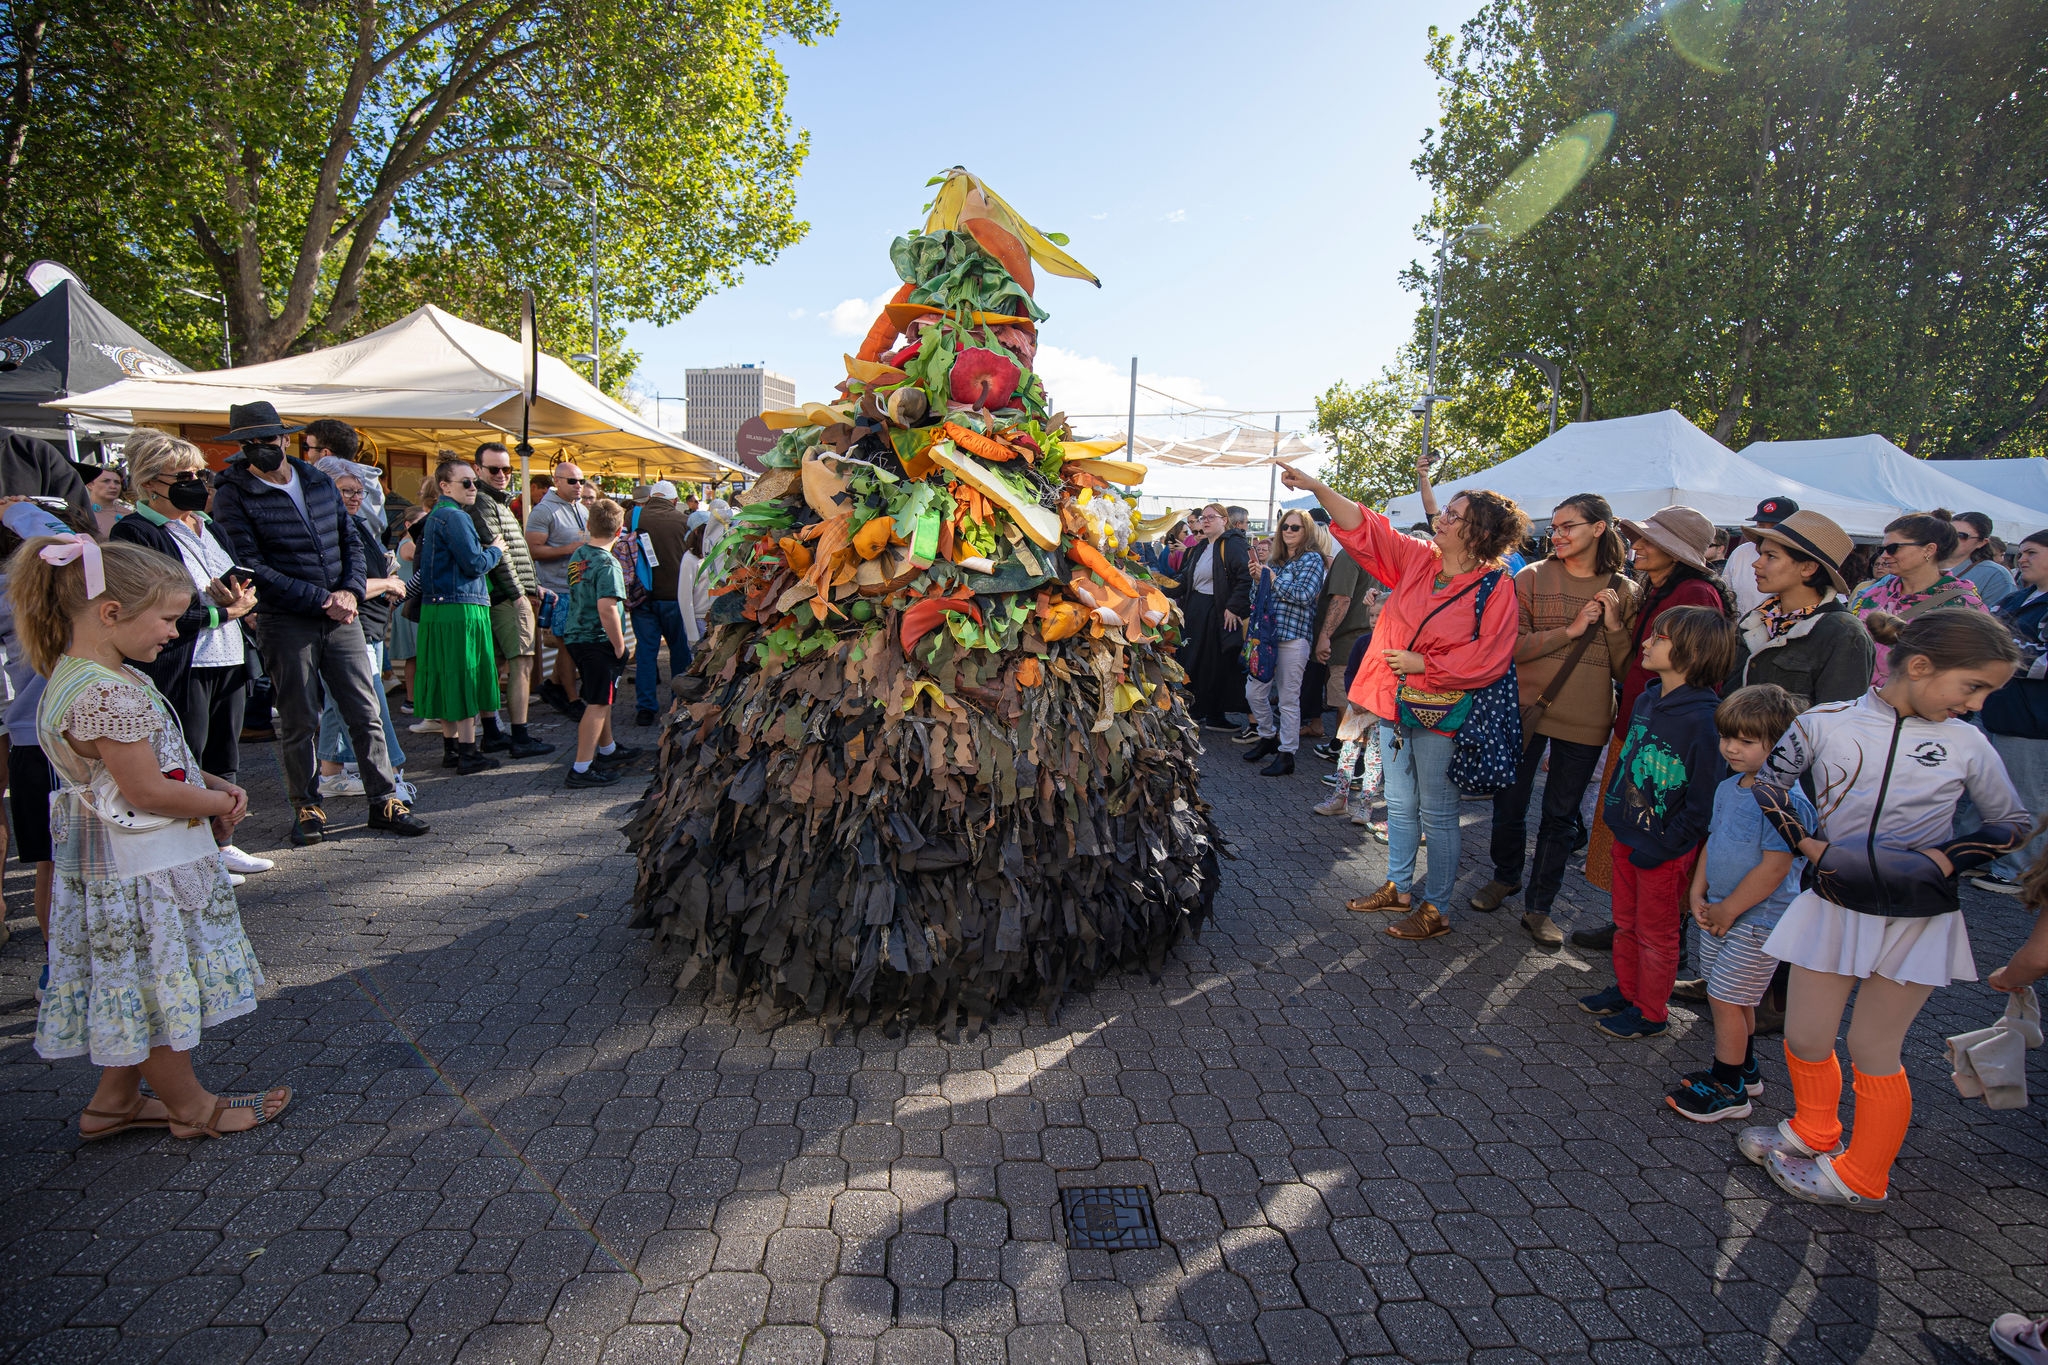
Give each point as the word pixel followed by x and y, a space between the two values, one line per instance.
pixel 1447 630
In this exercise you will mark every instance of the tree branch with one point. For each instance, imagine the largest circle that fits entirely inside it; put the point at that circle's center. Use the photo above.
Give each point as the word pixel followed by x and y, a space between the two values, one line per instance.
pixel 1983 449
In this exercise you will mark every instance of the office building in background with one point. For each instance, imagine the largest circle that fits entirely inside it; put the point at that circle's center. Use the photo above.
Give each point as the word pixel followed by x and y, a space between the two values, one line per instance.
pixel 723 398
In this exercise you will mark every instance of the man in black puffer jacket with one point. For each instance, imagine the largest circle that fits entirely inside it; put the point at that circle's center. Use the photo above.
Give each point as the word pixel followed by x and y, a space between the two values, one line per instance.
pixel 286 524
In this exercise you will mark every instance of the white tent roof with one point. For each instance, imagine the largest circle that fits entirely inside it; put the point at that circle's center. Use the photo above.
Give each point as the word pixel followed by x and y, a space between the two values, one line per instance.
pixel 1872 467
pixel 1640 464
pixel 2023 480
pixel 428 378
pixel 1235 447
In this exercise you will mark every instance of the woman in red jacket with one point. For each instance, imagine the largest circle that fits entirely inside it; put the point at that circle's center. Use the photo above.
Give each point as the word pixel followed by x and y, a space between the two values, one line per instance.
pixel 1448 628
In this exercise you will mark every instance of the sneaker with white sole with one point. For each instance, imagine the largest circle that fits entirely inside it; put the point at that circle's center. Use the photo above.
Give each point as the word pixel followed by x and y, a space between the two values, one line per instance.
pixel 1706 1100
pixel 341 784
pixel 245 863
pixel 236 879
pixel 1998 886
pixel 405 791
pixel 1813 1180
pixel 424 727
pixel 2021 1338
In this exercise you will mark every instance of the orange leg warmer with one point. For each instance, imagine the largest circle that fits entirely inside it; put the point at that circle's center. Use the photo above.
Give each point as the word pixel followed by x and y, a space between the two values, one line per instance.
pixel 1884 1109
pixel 1816 1100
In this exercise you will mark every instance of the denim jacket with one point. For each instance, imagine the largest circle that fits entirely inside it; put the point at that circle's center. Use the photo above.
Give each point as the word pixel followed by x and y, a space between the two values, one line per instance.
pixel 452 561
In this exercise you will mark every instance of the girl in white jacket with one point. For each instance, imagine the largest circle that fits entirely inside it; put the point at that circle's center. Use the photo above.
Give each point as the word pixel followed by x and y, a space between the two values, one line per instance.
pixel 1880 916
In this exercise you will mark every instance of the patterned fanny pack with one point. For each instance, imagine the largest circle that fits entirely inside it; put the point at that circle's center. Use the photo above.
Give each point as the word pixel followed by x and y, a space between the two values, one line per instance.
pixel 1442 712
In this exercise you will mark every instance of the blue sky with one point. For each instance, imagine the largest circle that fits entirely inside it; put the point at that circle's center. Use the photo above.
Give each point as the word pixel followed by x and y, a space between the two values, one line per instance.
pixel 1238 176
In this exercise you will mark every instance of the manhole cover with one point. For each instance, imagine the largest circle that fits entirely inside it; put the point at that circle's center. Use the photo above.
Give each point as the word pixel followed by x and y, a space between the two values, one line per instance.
pixel 1110 1218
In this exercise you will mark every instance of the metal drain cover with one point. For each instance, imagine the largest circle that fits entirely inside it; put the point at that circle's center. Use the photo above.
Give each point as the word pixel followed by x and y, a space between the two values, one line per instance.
pixel 1110 1218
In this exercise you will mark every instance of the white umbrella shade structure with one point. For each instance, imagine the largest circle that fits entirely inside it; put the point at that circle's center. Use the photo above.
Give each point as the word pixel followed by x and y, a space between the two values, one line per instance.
pixel 428 379
pixel 1642 463
pixel 1872 467
pixel 2022 479
pixel 1232 448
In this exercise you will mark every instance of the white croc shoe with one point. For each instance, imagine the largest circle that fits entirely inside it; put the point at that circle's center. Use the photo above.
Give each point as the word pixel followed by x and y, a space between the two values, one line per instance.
pixel 1813 1179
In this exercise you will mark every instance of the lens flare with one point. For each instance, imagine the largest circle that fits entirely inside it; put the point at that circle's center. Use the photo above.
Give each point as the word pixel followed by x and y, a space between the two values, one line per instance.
pixel 1540 184
pixel 1699 29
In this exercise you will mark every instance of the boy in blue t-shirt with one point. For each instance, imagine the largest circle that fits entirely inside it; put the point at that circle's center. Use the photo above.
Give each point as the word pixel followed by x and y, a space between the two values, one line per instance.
pixel 1740 889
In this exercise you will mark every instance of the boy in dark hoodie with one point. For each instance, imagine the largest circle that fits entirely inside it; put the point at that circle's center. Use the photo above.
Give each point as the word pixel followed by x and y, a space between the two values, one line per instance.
pixel 1658 806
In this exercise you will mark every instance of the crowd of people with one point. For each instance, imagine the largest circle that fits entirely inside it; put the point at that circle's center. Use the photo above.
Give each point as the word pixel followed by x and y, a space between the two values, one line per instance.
pixel 302 585
pixel 1794 768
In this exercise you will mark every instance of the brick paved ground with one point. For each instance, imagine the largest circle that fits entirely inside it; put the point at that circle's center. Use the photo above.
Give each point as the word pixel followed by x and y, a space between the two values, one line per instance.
pixel 515 1142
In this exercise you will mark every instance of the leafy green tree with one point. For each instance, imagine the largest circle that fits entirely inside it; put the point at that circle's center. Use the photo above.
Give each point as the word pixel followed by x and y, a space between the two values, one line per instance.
pixel 1836 224
pixel 327 166
pixel 1374 436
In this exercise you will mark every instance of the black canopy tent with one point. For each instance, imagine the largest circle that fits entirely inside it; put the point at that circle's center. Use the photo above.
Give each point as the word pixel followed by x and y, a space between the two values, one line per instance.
pixel 65 343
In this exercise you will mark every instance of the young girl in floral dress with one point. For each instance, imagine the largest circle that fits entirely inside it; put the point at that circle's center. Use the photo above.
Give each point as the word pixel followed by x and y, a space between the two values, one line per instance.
pixel 146 945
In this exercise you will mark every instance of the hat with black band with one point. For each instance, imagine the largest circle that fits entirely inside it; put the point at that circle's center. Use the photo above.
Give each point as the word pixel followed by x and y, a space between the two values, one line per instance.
pixel 1812 536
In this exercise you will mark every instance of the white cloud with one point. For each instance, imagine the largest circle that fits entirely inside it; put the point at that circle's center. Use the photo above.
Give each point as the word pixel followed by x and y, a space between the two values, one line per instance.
pixel 850 317
pixel 1088 384
pixel 1177 216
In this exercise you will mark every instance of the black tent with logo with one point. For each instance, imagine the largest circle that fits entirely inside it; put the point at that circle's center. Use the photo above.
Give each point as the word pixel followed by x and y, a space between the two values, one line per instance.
pixel 65 343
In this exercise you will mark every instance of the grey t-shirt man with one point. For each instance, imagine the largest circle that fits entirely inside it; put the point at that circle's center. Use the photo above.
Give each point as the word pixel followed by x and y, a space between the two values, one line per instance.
pixel 563 523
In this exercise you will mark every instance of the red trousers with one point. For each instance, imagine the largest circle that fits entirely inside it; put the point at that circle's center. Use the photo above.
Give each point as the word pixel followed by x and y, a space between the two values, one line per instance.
pixel 1649 912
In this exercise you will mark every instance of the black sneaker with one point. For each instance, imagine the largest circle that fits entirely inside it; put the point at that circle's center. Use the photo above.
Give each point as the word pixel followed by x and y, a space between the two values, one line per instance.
pixel 1708 1101
pixel 620 755
pixel 470 764
pixel 1328 750
pixel 554 695
pixel 1248 735
pixel 643 717
pixel 1752 1079
pixel 1630 1024
pixel 1219 724
pixel 1599 940
pixel 529 747
pixel 309 826
pixel 1605 1003
pixel 393 816
pixel 494 742
pixel 593 776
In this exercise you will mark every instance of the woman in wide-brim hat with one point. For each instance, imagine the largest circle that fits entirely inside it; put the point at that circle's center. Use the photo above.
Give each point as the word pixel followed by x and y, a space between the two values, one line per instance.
pixel 1802 636
pixel 1670 555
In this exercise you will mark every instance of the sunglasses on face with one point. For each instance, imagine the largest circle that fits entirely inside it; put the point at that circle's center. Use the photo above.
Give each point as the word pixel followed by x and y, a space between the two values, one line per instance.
pixel 1892 547
pixel 186 476
pixel 460 483
pixel 497 469
pixel 568 481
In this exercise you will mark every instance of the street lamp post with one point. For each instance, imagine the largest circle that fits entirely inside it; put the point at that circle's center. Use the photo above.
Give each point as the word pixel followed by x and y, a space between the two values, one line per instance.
pixel 560 186
pixel 227 349
pixel 1431 397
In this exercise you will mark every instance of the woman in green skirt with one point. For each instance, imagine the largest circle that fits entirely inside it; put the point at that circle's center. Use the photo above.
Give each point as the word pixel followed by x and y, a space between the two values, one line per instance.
pixel 456 674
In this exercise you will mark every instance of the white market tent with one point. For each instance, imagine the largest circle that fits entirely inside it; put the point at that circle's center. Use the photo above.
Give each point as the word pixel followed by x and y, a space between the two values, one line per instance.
pixel 1640 464
pixel 2023 479
pixel 1234 465
pixel 426 381
pixel 1872 467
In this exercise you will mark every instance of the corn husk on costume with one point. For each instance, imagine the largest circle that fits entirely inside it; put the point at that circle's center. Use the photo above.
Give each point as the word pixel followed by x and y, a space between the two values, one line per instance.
pixel 930 762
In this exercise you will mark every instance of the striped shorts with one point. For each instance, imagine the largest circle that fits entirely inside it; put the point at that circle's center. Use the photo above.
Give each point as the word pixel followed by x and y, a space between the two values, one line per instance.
pixel 1737 968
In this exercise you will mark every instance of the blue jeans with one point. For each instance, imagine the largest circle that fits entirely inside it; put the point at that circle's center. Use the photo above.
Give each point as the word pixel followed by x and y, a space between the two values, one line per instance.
pixel 334 746
pixel 2026 763
pixel 1420 797
pixel 652 623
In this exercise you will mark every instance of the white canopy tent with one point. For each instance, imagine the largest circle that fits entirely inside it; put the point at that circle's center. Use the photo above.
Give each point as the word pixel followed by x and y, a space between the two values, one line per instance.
pixel 1872 467
pixel 1640 464
pixel 427 380
pixel 1234 465
pixel 2023 480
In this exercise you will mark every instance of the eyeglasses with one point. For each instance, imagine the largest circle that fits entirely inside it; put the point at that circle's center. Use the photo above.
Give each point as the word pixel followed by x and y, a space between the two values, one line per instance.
pixel 350 492
pixel 1557 526
pixel 461 483
pixel 1892 547
pixel 1448 518
pixel 497 469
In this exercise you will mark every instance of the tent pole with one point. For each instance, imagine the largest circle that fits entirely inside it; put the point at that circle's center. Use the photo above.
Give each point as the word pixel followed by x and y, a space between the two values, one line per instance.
pixel 1273 479
pixel 1131 425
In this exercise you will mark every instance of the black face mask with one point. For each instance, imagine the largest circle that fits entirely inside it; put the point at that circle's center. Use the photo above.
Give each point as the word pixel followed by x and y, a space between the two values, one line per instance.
pixel 189 495
pixel 267 457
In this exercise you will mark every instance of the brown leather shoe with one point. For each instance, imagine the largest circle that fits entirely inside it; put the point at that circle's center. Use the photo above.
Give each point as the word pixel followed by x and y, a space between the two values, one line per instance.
pixel 1424 923
pixel 1386 898
pixel 1543 929
pixel 1488 898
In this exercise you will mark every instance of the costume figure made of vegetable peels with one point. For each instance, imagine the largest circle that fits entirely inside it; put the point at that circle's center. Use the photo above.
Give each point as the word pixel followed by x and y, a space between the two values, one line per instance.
pixel 932 760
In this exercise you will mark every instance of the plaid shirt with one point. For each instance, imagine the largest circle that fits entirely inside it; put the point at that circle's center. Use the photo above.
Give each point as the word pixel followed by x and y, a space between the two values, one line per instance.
pixel 1296 587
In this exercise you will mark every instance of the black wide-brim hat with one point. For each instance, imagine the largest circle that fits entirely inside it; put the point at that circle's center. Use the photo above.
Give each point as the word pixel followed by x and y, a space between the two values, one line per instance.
pixel 254 421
